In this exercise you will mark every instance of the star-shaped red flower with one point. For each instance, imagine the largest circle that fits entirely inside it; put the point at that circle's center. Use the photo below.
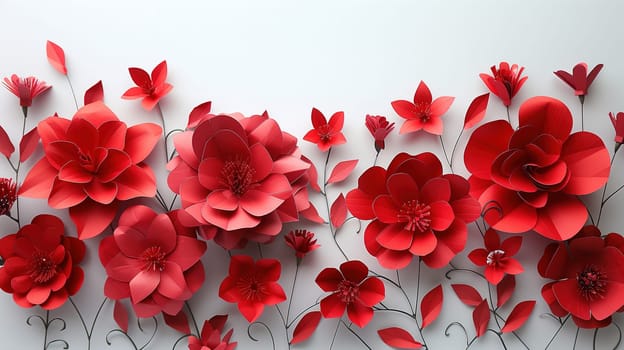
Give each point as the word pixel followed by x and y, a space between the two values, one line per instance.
pixel 497 256
pixel 150 89
pixel 424 113
pixel 326 134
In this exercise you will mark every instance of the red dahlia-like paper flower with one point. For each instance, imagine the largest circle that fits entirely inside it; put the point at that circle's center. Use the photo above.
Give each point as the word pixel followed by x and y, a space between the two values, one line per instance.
pixel 618 124
pixel 505 81
pixel 26 89
pixel 379 128
pixel 7 195
pixel 211 336
pixel 497 256
pixel 91 163
pixel 326 134
pixel 588 277
pixel 424 113
pixel 529 178
pixel 417 211
pixel 302 242
pixel 579 80
pixel 239 178
pixel 252 285
pixel 41 264
pixel 150 89
pixel 153 260
pixel 352 290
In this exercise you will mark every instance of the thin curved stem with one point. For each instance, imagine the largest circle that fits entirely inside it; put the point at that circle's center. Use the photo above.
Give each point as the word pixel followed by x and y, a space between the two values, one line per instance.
pixel 300 314
pixel 508 116
pixel 71 88
pixel 188 307
pixel 450 163
pixel 88 332
pixel 376 157
pixel 331 346
pixel 292 293
pixel 45 331
pixel 455 146
pixel 162 121
pixel 348 327
pixel 420 330
pixel 557 332
pixel 324 193
pixel 604 190
pixel 582 116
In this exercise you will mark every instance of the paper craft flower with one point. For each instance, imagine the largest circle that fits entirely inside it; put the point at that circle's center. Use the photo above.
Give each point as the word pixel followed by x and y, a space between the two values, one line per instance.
pixel 7 195
pixel 579 80
pixel 211 336
pixel 618 124
pixel 497 256
pixel 352 290
pixel 379 127
pixel 424 113
pixel 588 278
pixel 252 285
pixel 505 81
pixel 239 178
pixel 153 260
pixel 302 242
pixel 326 134
pixel 91 163
pixel 416 211
pixel 529 178
pixel 41 264
pixel 150 89
pixel 26 89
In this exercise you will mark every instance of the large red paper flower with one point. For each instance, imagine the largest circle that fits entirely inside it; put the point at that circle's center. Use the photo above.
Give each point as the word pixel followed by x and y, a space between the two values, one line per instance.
pixel 379 128
pixel 505 81
pixel 26 89
pixel 579 80
pixel 41 264
pixel 497 256
pixel 529 178
pixel 326 134
pixel 153 260
pixel 239 178
pixel 211 336
pixel 252 285
pixel 417 211
pixel 424 113
pixel 150 89
pixel 588 277
pixel 352 290
pixel 91 163
pixel 8 195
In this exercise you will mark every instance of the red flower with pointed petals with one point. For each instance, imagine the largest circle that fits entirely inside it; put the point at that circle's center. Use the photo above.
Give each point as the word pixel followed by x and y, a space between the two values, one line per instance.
pixel 530 178
pixel 252 285
pixel 150 89
pixel 497 256
pixel 153 260
pixel 302 242
pixel 211 336
pixel 352 290
pixel 379 127
pixel 618 124
pixel 424 113
pixel 7 195
pixel 92 162
pixel 26 89
pixel 505 81
pixel 326 134
pixel 41 264
pixel 579 80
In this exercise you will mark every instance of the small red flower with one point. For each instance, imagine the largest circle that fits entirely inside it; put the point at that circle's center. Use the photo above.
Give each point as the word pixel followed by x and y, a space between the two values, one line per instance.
pixel 25 88
pixel 211 336
pixel 7 195
pixel 41 264
pixel 302 242
pixel 497 256
pixel 352 290
pixel 151 90
pixel 424 113
pixel 326 134
pixel 579 80
pixel 252 285
pixel 618 124
pixel 505 81
pixel 379 127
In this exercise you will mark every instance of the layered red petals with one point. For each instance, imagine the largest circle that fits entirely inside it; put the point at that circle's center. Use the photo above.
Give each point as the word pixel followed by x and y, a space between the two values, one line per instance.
pixel 505 81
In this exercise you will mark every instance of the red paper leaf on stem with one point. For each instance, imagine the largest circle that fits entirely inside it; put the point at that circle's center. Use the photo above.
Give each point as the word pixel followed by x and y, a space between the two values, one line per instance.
pixel 431 305
pixel 6 146
pixel 518 316
pixel 312 174
pixel 338 211
pixel 94 93
pixel 120 314
pixel 28 144
pixel 505 289
pixel 198 114
pixel 476 111
pixel 56 57
pixel 467 294
pixel 306 327
pixel 481 317
pixel 341 171
pixel 312 215
pixel 178 322
pixel 398 338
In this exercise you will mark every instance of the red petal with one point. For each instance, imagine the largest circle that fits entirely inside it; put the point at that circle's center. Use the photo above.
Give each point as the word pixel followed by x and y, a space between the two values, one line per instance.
pixel 359 314
pixel 159 73
pixel 476 111
pixel 440 105
pixel 338 211
pixel 411 125
pixel 511 245
pixel 442 215
pixel 56 57
pixel 258 203
pixel 342 170
pixel 548 115
pixel 136 182
pixel 336 121
pixel 198 114
pixel 431 305
pixel 484 146
pixel 398 338
pixel 518 316
pixel 505 289
pixel 395 237
pixel 120 314
pixel 6 146
pixel 372 291
pixel 467 294
pixel 404 109
pixel 178 322
pixel 311 214
pixel 481 318
pixel 588 163
pixel 318 119
pixel 422 95
pixel 354 271
pixel 89 225
pixel 94 93
pixel 306 326
pixel 141 139
pixel 329 279
pixel 140 77
pixel 66 194
pixel 562 218
pixel 144 284
pixel 100 192
pixel 505 211
pixel 28 144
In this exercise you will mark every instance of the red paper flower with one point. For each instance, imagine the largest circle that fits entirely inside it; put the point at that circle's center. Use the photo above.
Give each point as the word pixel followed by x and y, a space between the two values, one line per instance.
pixel 417 211
pixel 211 336
pixel 153 260
pixel 352 290
pixel 252 285
pixel 302 242
pixel 618 125
pixel 529 178
pixel 91 163
pixel 579 80
pixel 379 128
pixel 505 82
pixel 326 134
pixel 41 264
pixel 26 89
pixel 588 277
pixel 7 195
pixel 424 113
pixel 497 257
pixel 151 90
pixel 239 178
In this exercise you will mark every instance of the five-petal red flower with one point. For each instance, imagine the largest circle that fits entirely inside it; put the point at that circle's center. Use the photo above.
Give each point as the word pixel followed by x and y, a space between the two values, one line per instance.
pixel 579 80
pixel 7 195
pixel 326 134
pixel 424 113
pixel 150 89
pixel 211 336
pixel 379 127
pixel 497 256
pixel 26 89
pixel 505 81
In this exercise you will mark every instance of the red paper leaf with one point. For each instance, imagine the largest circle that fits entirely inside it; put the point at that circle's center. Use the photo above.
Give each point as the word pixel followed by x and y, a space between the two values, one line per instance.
pixel 56 57
pixel 505 289
pixel 518 316
pixel 476 111
pixel 338 211
pixel 178 322
pixel 342 170
pixel 398 338
pixel 6 146
pixel 94 93
pixel 312 174
pixel 198 113
pixel 431 305
pixel 481 317
pixel 28 144
pixel 306 327
pixel 312 215
pixel 120 314
pixel 467 294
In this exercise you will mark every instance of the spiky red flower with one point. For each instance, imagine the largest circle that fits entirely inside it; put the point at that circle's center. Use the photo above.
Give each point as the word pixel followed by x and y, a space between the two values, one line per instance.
pixel 7 195
pixel 26 89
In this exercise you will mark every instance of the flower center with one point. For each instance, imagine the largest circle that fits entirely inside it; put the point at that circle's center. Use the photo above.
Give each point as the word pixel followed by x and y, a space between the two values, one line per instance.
pixel 423 111
pixel 324 132
pixel 237 175
pixel 86 161
pixel 42 269
pixel 153 259
pixel 348 291
pixel 251 288
pixel 415 215
pixel 494 257
pixel 592 282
